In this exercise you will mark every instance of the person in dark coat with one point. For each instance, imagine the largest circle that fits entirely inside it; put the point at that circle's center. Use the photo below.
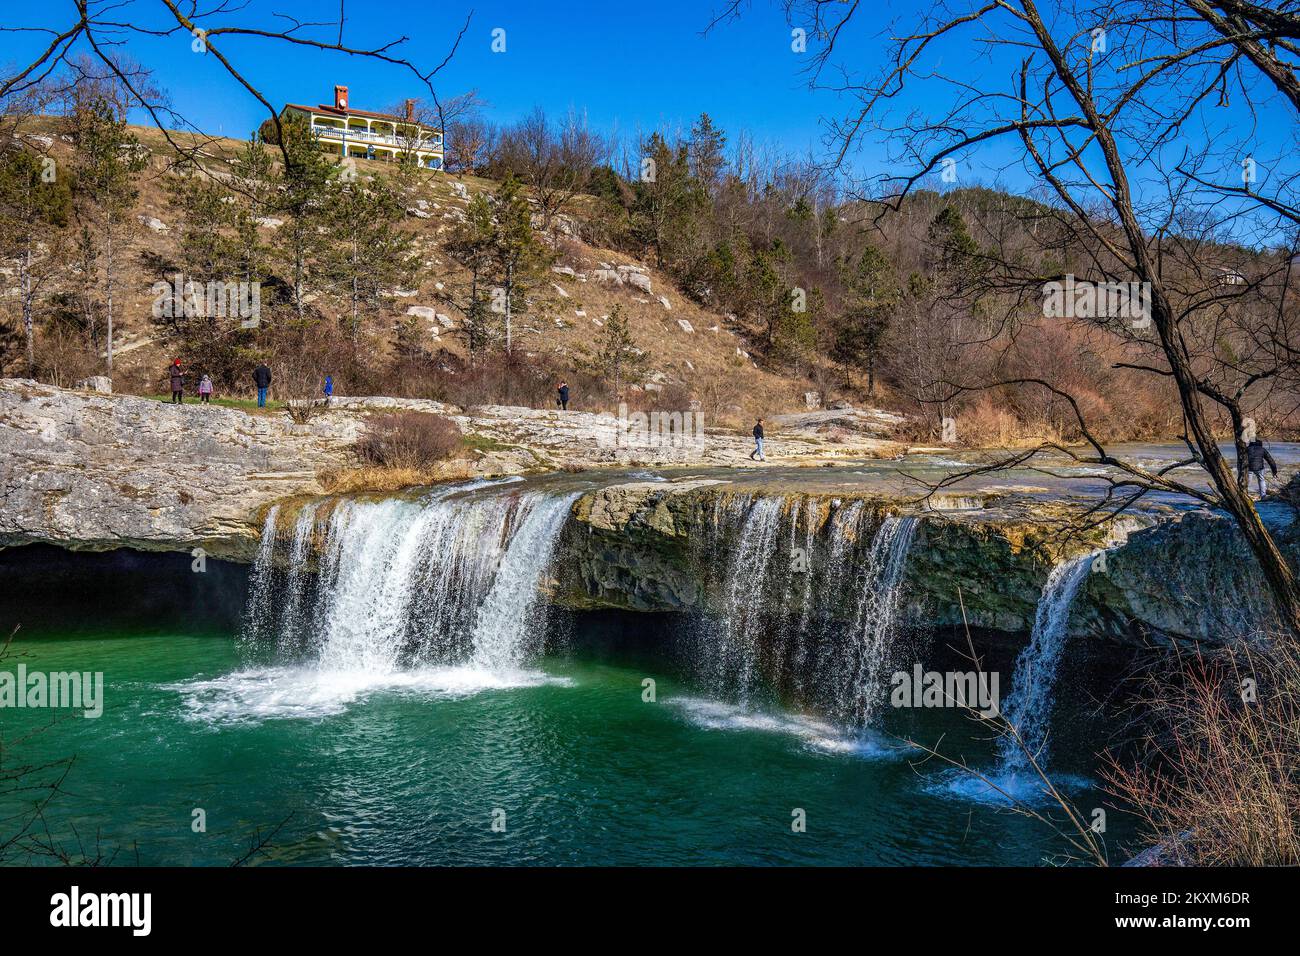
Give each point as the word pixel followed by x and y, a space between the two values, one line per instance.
pixel 758 442
pixel 177 376
pixel 262 377
pixel 1257 457
pixel 562 396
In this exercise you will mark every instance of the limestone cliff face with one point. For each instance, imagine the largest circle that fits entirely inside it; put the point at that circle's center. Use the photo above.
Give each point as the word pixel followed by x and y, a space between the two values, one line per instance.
pixel 653 546
pixel 1190 579
pixel 95 472
pixel 650 546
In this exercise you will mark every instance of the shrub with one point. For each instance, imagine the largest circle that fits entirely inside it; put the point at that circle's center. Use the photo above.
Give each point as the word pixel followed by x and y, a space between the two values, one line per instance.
pixel 410 440
pixel 1213 778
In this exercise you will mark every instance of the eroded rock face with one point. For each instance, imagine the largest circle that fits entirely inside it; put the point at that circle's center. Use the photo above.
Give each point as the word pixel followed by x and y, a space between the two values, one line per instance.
pixel 656 546
pixel 94 473
pixel 1192 579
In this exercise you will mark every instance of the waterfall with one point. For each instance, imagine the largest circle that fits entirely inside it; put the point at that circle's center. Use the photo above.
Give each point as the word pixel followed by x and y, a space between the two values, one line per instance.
pixel 294 615
pixel 448 580
pixel 1029 706
pixel 257 619
pixel 875 620
pixel 808 603
pixel 735 653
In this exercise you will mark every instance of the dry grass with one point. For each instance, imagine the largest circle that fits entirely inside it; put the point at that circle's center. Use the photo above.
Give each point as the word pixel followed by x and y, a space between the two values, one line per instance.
pixel 1216 778
pixel 347 480
pixel 989 425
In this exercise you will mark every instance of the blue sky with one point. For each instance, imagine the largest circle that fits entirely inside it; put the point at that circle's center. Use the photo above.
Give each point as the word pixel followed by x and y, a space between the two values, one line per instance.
pixel 630 66
pixel 626 64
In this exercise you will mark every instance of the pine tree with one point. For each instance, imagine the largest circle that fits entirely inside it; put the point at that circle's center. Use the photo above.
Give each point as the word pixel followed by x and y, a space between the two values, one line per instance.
pixel 518 255
pixel 255 193
pixel 372 252
pixel 472 245
pixel 871 294
pixel 616 358
pixel 34 204
pixel 303 200
pixel 668 201
pixel 706 152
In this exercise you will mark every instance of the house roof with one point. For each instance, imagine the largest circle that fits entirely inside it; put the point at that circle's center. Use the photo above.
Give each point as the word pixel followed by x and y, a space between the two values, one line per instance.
pixel 335 111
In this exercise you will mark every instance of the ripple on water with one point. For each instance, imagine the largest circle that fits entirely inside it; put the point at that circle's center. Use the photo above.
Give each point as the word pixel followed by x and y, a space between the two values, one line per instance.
pixel 268 693
pixel 813 733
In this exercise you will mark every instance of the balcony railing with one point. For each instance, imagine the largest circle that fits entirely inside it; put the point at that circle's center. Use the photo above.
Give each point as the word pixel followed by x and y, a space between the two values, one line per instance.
pixel 368 136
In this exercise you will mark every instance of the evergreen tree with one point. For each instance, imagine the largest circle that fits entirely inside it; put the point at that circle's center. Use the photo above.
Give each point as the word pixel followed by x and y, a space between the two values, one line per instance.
pixel 255 188
pixel 871 293
pixel 518 255
pixel 616 358
pixel 706 152
pixel 472 245
pixel 34 205
pixel 668 201
pixel 372 252
pixel 302 242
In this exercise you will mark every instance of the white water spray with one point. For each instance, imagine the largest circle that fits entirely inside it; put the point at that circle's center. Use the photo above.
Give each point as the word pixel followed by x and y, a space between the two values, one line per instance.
pixel 450 580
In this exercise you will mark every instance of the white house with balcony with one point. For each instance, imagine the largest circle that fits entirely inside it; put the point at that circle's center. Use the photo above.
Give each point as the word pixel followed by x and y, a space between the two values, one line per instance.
pixel 345 131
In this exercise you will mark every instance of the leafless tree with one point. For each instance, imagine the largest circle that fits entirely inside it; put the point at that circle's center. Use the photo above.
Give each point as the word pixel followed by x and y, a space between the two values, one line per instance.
pixel 98 29
pixel 1109 108
pixel 556 162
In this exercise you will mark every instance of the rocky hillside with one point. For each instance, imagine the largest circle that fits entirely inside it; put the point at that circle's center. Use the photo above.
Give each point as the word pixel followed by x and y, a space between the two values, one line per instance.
pixel 707 352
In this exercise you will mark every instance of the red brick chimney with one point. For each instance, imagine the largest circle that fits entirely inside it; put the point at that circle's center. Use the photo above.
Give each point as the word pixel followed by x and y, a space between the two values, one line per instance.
pixel 410 111
pixel 341 97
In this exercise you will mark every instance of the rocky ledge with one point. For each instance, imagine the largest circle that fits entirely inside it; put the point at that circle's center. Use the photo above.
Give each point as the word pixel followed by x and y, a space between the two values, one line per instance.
pixel 93 471
pixel 89 471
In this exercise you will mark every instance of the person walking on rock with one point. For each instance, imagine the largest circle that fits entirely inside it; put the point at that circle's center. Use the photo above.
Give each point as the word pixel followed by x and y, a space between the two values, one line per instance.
pixel 262 378
pixel 1256 457
pixel 758 442
pixel 562 396
pixel 177 376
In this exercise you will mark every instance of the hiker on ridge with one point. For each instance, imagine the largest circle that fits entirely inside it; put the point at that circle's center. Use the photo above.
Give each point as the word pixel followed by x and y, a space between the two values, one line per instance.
pixel 262 378
pixel 177 376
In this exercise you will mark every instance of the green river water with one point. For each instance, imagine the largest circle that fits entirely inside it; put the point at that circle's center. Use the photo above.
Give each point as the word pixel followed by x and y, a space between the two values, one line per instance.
pixel 414 769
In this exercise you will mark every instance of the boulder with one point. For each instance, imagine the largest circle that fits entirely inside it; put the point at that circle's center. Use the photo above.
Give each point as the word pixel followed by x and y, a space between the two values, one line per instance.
pixel 97 383
pixel 638 280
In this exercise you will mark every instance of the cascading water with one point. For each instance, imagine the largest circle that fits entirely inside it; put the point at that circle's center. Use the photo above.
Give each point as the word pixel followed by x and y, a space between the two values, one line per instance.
pixel 874 623
pixel 734 655
pixel 785 625
pixel 1029 706
pixel 449 580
